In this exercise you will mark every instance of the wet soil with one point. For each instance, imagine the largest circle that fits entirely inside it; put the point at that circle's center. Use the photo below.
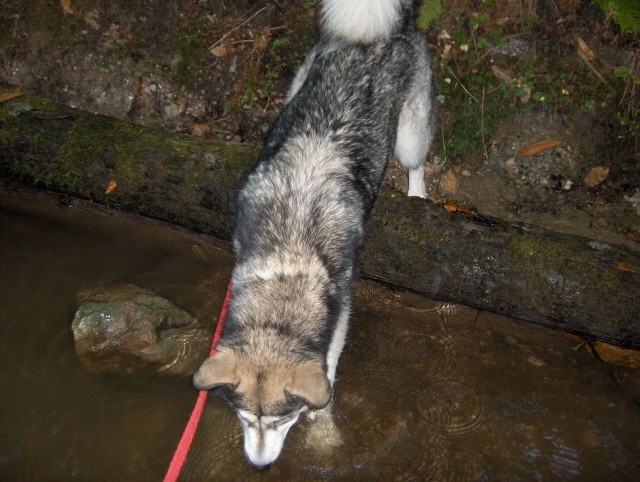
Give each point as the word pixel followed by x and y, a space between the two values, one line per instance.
pixel 425 390
pixel 219 69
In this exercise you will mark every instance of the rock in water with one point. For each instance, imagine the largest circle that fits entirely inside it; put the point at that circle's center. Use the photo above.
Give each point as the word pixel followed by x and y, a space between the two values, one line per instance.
pixel 125 328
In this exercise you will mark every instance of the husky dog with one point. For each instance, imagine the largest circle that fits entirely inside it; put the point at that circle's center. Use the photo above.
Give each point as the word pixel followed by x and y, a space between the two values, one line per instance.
pixel 363 93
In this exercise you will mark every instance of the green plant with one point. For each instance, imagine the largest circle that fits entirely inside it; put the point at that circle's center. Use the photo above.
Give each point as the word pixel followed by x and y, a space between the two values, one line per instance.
pixel 626 13
pixel 428 13
pixel 189 51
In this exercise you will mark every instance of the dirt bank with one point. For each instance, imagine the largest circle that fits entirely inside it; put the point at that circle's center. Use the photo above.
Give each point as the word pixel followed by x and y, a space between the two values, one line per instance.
pixel 507 76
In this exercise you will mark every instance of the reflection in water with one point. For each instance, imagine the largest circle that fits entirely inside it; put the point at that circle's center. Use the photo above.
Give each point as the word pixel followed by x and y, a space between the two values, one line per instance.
pixel 425 390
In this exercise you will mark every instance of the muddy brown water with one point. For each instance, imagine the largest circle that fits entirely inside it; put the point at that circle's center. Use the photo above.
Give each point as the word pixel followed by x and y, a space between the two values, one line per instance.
pixel 426 390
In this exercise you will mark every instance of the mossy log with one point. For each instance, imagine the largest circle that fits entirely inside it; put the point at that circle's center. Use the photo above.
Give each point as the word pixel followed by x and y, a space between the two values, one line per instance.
pixel 563 281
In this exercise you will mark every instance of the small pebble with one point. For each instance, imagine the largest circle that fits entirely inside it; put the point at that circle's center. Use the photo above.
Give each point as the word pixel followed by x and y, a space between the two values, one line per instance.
pixel 535 361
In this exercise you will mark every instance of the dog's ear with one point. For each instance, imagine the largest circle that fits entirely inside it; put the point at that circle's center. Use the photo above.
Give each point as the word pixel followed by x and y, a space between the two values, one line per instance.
pixel 310 383
pixel 219 369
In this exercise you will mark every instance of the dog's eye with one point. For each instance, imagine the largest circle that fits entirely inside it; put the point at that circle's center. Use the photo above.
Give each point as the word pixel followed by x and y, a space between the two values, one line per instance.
pixel 293 402
pixel 247 420
pixel 274 424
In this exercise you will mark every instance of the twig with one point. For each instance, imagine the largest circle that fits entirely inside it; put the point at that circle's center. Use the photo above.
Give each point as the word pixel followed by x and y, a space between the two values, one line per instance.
pixel 236 28
pixel 444 146
pixel 248 41
pixel 579 345
pixel 220 120
pixel 484 144
pixel 462 85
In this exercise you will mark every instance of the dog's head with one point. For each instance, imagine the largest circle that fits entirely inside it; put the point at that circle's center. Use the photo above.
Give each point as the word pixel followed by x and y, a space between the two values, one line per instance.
pixel 268 398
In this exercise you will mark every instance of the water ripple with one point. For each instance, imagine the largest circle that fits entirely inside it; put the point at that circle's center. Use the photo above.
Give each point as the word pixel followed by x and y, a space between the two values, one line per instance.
pixel 455 408
pixel 190 347
pixel 217 447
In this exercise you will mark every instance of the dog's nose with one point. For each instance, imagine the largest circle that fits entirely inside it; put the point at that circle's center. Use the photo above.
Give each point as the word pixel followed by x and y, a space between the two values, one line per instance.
pixel 261 467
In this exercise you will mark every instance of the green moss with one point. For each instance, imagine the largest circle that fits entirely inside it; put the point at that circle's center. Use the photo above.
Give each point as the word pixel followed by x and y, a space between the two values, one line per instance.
pixel 190 53
pixel 40 104
pixel 554 259
pixel 428 13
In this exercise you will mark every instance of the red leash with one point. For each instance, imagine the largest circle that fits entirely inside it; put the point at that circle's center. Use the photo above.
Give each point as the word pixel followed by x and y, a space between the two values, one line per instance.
pixel 180 455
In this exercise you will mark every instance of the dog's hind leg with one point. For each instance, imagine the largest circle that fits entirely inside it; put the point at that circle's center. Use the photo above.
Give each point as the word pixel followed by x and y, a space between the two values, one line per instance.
pixel 301 74
pixel 415 131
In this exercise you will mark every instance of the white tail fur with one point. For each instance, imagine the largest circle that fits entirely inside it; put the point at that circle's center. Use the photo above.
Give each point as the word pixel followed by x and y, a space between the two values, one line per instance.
pixel 361 20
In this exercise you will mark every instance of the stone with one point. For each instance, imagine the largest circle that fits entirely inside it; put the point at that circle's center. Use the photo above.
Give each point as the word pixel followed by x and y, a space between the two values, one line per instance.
pixel 449 181
pixel 126 328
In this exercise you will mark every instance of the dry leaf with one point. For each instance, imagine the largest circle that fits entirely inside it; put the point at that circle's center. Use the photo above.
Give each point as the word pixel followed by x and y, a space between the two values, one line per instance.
pixel 67 8
pixel 112 186
pixel 262 41
pixel 538 147
pixel 502 74
pixel 614 355
pixel 127 34
pixel 576 339
pixel 456 208
pixel 595 176
pixel 224 50
pixel 589 58
pixel 624 266
pixel 10 95
pixel 202 131
pixel 631 236
pixel 584 51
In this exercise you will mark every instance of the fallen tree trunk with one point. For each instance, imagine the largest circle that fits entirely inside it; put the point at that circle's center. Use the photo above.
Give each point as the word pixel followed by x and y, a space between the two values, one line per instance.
pixel 557 280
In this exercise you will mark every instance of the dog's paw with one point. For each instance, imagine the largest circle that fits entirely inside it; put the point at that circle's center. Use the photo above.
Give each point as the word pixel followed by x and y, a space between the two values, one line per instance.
pixel 418 192
pixel 323 434
pixel 416 184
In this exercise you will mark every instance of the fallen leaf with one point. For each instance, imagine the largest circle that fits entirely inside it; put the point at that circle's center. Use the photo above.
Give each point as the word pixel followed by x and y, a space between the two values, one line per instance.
pixel 112 186
pixel 502 74
pixel 538 147
pixel 576 339
pixel 456 208
pixel 224 50
pixel 128 34
pixel 203 131
pixel 624 266
pixel 589 58
pixel 584 51
pixel 67 8
pixel 631 236
pixel 595 176
pixel 262 41
pixel 614 355
pixel 10 95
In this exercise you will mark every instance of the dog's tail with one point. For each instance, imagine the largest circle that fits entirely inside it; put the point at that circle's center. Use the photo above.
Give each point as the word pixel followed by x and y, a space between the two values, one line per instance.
pixel 364 21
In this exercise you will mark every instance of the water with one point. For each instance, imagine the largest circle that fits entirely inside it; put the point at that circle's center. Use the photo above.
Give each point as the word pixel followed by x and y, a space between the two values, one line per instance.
pixel 426 390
